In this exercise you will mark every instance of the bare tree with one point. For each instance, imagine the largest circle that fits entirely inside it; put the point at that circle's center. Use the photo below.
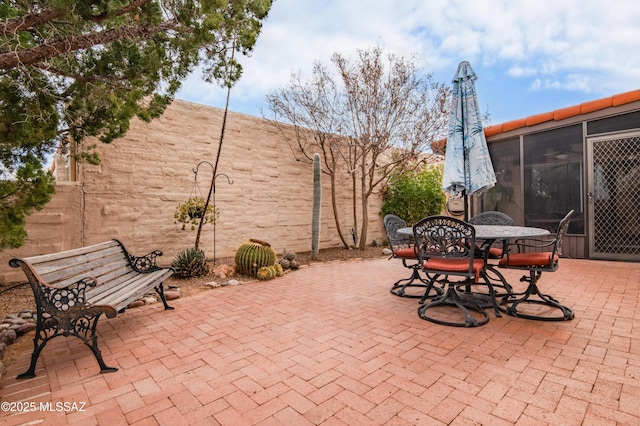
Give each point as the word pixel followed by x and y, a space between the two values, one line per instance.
pixel 311 110
pixel 381 115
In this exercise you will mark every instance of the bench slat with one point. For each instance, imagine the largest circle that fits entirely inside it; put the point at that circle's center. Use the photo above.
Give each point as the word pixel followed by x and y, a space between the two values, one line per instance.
pixel 34 260
pixel 68 274
pixel 131 289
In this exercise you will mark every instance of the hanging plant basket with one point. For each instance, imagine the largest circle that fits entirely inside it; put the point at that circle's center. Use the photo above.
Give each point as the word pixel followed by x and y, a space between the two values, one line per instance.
pixel 195 212
pixel 192 210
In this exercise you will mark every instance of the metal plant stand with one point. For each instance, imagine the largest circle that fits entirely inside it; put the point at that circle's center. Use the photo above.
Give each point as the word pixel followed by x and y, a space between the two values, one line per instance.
pixel 212 189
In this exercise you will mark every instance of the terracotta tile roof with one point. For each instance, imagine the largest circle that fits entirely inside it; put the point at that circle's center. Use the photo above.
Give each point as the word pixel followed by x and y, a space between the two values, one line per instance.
pixel 438 147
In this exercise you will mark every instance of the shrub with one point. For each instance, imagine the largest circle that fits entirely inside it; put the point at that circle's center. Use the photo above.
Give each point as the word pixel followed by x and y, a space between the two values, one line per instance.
pixel 414 195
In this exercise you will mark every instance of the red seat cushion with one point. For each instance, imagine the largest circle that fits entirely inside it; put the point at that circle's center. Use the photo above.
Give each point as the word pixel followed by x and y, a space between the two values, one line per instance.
pixel 495 253
pixel 454 265
pixel 407 253
pixel 528 259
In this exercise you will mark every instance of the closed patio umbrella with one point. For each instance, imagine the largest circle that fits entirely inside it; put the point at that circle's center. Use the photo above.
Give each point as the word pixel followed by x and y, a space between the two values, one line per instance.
pixel 467 164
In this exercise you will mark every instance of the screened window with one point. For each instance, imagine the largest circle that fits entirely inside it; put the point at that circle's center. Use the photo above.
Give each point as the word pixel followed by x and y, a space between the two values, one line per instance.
pixel 554 178
pixel 613 124
pixel 506 195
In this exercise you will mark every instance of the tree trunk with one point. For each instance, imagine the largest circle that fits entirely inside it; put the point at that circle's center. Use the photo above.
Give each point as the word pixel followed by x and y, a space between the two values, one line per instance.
pixel 354 192
pixel 334 206
pixel 317 200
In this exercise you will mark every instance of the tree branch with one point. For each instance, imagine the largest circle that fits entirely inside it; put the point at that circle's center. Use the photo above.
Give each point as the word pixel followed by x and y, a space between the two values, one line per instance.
pixel 47 51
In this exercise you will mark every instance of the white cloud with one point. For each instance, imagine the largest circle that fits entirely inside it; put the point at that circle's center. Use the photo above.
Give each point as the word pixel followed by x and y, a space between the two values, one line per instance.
pixel 586 46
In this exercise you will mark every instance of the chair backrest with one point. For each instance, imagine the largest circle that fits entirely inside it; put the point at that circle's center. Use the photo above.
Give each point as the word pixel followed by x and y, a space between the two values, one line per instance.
pixel 391 225
pixel 563 226
pixel 445 237
pixel 491 218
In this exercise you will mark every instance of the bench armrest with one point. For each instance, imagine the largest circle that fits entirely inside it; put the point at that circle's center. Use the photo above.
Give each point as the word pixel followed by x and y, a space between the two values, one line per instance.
pixel 68 297
pixel 146 263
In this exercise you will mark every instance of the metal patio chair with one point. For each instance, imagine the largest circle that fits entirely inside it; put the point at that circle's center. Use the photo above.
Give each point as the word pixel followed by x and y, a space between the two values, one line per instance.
pixel 536 263
pixel 446 247
pixel 403 249
pixel 492 218
pixel 492 251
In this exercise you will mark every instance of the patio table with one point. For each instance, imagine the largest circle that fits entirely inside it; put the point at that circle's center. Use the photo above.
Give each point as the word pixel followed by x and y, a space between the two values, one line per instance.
pixel 489 234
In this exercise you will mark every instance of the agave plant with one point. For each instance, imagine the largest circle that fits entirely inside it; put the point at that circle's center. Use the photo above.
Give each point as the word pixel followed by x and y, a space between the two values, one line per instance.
pixel 190 263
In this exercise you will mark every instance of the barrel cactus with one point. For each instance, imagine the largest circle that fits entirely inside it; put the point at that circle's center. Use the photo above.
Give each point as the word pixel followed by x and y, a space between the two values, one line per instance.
pixel 253 255
pixel 266 273
pixel 279 270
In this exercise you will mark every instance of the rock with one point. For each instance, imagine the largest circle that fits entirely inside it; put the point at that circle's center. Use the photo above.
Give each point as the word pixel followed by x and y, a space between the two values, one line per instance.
pixel 172 294
pixel 25 328
pixel 4 326
pixel 387 251
pixel 8 336
pixel 233 282
pixel 150 300
pixel 212 284
pixel 136 304
pixel 223 271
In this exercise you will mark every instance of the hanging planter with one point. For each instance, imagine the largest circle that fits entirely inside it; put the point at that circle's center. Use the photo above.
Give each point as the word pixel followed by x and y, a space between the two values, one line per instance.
pixel 192 211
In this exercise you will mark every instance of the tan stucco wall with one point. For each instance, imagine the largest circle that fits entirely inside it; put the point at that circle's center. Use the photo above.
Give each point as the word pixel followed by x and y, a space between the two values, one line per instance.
pixel 133 193
pixel 57 227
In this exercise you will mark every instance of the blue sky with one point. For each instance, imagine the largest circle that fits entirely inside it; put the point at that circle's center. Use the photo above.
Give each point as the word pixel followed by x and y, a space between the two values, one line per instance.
pixel 531 56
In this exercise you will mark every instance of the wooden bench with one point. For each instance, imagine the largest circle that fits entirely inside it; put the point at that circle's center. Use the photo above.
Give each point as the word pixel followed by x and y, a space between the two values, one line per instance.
pixel 73 288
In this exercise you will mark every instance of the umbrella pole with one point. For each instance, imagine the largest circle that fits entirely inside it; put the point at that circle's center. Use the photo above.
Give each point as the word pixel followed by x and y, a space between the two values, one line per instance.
pixel 466 205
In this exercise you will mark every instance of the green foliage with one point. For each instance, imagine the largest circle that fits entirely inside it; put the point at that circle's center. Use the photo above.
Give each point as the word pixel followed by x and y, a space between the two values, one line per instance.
pixel 28 189
pixel 253 255
pixel 190 263
pixel 72 70
pixel 414 194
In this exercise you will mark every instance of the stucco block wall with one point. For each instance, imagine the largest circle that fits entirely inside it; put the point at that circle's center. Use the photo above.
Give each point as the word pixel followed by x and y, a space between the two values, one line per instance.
pixel 133 193
pixel 57 227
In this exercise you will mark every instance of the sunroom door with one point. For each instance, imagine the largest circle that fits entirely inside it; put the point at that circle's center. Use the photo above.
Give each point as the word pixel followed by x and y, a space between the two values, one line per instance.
pixel 613 193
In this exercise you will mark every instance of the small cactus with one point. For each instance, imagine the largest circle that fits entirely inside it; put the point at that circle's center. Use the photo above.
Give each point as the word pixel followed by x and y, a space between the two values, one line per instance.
pixel 294 264
pixel 266 273
pixel 278 269
pixel 284 263
pixel 290 256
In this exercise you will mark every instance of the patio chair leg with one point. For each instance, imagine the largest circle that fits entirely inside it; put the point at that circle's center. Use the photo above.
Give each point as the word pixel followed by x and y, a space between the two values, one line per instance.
pixel 399 287
pixel 532 290
pixel 452 298
pixel 414 281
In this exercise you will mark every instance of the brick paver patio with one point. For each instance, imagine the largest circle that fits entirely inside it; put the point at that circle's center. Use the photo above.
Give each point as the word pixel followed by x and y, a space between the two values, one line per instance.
pixel 329 344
